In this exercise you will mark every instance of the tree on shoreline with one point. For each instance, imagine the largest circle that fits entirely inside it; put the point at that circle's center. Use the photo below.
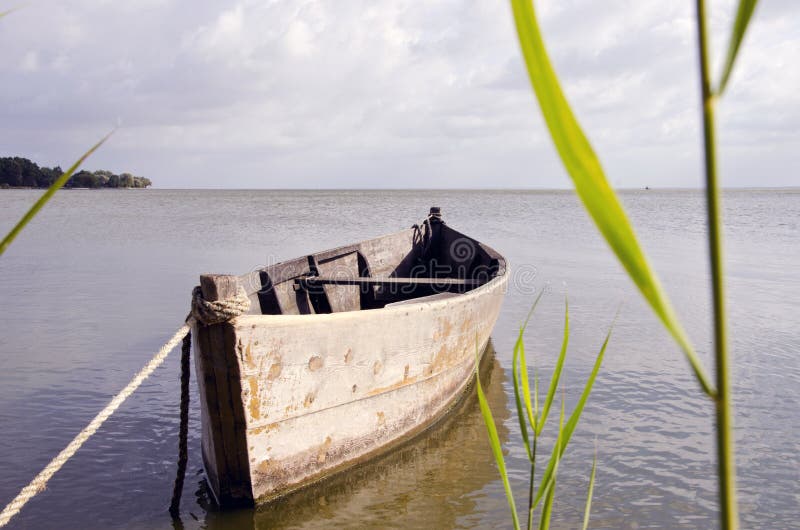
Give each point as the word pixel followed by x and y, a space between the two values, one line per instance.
pixel 18 172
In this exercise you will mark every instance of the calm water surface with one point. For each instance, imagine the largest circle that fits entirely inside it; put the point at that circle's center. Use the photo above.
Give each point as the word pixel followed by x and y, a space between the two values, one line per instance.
pixel 101 279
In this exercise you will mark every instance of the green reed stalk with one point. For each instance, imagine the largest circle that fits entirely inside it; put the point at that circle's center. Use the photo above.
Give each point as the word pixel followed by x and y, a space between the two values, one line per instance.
pixel 574 418
pixel 550 490
pixel 531 483
pixel 530 420
pixel 591 185
pixel 588 509
pixel 599 199
pixel 726 464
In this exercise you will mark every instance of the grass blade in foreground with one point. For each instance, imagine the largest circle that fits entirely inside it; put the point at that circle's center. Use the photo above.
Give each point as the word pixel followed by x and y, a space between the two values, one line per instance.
pixel 743 15
pixel 574 417
pixel 494 441
pixel 591 490
pixel 60 181
pixel 523 423
pixel 550 490
pixel 591 185
pixel 519 357
pixel 551 392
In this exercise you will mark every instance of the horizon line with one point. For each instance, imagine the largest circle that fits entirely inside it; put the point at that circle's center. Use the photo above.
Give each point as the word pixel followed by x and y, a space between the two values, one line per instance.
pixel 461 189
pixel 639 188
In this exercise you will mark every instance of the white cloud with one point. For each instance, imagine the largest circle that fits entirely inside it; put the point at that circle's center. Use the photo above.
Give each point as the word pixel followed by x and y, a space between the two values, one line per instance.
pixel 299 39
pixel 368 93
pixel 30 62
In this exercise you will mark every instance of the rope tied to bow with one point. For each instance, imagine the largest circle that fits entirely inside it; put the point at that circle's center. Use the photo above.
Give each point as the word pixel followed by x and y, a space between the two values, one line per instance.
pixel 218 311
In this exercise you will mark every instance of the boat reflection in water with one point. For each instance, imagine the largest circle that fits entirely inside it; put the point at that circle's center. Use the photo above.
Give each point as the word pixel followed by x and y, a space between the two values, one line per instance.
pixel 443 478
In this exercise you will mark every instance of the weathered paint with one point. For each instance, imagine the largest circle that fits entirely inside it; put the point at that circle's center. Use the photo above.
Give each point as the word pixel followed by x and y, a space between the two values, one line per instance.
pixel 351 383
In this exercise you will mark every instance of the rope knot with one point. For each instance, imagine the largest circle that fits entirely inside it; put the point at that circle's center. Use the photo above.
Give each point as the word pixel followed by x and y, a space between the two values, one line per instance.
pixel 218 311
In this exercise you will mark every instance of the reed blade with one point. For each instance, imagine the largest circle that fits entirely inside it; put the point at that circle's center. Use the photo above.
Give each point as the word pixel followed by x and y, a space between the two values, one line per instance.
pixel 519 349
pixel 590 182
pixel 535 392
pixel 569 428
pixel 551 392
pixel 591 491
pixel 39 204
pixel 550 490
pixel 743 15
pixel 494 441
pixel 547 507
pixel 523 424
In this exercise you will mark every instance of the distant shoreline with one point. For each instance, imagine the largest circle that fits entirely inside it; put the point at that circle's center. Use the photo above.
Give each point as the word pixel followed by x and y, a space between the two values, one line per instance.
pixel 20 173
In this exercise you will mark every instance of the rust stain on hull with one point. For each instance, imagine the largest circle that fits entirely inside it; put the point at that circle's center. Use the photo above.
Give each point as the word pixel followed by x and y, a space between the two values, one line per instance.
pixel 275 370
pixel 315 363
pixel 323 450
pixel 254 409
pixel 394 386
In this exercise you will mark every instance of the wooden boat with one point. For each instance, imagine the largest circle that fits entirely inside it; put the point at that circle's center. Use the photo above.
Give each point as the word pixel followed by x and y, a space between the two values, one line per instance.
pixel 344 354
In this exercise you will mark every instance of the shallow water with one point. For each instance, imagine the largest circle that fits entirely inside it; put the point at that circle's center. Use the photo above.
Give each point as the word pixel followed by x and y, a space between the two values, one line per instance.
pixel 101 279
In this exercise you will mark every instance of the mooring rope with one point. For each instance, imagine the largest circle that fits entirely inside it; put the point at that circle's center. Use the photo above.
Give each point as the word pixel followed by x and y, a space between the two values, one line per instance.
pixel 203 311
pixel 183 432
pixel 214 312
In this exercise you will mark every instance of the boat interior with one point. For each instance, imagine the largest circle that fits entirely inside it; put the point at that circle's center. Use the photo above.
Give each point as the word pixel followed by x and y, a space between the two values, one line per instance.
pixel 426 262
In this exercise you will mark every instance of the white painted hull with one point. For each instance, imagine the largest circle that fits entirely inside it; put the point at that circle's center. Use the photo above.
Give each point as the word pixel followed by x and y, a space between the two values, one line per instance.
pixel 323 392
pixel 287 399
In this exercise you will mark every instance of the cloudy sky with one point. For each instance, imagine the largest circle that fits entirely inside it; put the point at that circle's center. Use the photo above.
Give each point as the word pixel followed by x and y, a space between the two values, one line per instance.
pixel 388 94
